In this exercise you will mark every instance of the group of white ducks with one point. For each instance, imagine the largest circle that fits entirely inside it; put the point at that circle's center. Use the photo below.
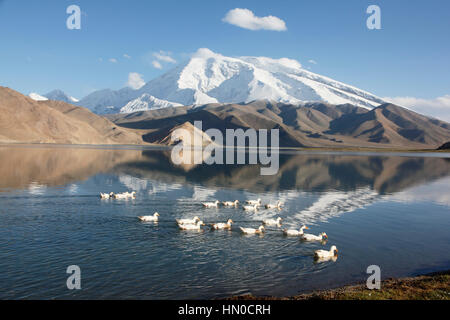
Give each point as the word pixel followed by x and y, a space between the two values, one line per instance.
pixel 252 205
pixel 123 195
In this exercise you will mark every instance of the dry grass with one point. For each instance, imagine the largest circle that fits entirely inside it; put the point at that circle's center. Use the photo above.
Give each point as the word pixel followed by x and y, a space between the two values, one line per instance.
pixel 434 286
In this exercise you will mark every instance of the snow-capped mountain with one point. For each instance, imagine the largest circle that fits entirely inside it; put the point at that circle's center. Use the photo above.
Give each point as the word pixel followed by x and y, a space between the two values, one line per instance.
pixel 60 96
pixel 108 101
pixel 209 77
pixel 147 102
pixel 37 97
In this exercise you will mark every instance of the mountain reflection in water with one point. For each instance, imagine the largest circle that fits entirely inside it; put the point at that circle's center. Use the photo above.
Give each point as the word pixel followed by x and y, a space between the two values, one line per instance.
pixel 51 217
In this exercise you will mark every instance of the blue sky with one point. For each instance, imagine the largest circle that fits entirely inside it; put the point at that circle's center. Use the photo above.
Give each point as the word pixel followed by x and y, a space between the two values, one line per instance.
pixel 408 57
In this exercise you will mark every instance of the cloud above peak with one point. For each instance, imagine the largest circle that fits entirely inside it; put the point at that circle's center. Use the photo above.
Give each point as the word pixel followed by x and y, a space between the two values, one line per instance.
pixel 135 80
pixel 164 56
pixel 160 58
pixel 245 18
pixel 157 65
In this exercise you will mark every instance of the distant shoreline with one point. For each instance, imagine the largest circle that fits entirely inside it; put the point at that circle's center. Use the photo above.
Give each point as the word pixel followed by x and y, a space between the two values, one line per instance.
pixel 165 147
pixel 432 286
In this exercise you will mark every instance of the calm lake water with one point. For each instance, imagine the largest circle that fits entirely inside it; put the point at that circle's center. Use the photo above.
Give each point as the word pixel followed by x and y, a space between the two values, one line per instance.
pixel 390 210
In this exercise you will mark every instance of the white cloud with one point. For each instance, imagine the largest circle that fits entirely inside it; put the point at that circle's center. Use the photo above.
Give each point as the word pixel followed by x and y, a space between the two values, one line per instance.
pixel 126 56
pixel 156 64
pixel 246 19
pixel 112 60
pixel 438 107
pixel 135 80
pixel 312 61
pixel 164 56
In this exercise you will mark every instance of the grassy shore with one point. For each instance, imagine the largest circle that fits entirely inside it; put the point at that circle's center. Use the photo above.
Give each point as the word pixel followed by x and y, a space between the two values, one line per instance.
pixel 434 286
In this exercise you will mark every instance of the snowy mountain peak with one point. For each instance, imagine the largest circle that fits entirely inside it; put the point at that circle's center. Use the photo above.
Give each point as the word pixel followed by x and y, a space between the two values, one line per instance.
pixel 210 77
pixel 60 95
pixel 37 97
pixel 147 102
pixel 205 53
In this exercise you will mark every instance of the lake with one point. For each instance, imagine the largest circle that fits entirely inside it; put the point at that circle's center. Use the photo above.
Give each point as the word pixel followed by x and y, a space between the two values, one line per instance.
pixel 390 210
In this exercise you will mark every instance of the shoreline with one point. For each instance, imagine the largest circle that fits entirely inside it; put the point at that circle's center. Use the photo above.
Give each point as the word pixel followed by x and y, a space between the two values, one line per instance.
pixel 431 286
pixel 283 149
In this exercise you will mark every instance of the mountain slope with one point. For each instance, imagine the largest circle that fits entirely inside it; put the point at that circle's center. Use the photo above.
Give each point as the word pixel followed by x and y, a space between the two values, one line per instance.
pixel 24 120
pixel 108 101
pixel 307 125
pixel 209 77
pixel 389 123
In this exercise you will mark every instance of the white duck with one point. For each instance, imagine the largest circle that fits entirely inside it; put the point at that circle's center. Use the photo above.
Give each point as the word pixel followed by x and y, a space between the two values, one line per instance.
pixel 274 206
pixel 260 230
pixel 312 237
pixel 221 225
pixel 196 226
pixel 326 255
pixel 153 218
pixel 254 202
pixel 106 195
pixel 273 222
pixel 120 196
pixel 251 208
pixel 188 221
pixel 125 195
pixel 292 232
pixel 211 204
pixel 230 203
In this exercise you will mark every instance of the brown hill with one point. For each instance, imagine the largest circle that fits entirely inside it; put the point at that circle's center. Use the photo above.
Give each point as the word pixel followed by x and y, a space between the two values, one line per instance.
pixel 309 125
pixel 23 120
pixel 164 135
pixel 391 124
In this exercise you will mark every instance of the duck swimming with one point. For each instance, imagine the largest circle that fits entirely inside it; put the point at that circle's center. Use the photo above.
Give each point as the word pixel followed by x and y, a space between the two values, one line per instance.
pixel 125 195
pixel 251 208
pixel 292 232
pixel 273 206
pixel 106 195
pixel 326 255
pixel 254 202
pixel 188 221
pixel 312 237
pixel 273 222
pixel 221 225
pixel 230 203
pixel 196 226
pixel 260 230
pixel 153 218
pixel 211 204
